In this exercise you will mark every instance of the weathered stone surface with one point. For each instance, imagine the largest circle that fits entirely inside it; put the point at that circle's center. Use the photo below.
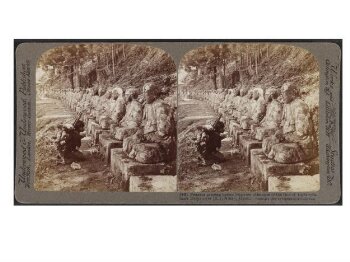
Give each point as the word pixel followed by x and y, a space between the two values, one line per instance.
pixel 153 184
pixel 92 125
pixel 294 183
pixel 107 144
pixel 226 146
pixel 85 143
pixel 263 167
pixel 123 132
pixel 97 132
pixel 86 119
pixel 237 133
pixel 296 140
pixel 126 167
pixel 94 128
pixel 246 144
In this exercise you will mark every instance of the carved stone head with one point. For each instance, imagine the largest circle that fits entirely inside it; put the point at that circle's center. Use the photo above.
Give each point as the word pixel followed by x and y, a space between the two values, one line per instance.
pixel 151 92
pixel 289 92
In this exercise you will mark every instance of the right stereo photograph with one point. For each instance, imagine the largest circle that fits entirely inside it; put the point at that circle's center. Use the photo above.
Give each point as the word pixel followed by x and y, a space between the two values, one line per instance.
pixel 248 119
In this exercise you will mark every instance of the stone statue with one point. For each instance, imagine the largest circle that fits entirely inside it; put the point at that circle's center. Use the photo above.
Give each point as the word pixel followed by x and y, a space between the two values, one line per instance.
pixel 131 121
pixel 272 120
pixel 94 103
pixel 296 140
pixel 116 107
pixel 237 107
pixel 101 102
pixel 104 118
pixel 255 110
pixel 155 141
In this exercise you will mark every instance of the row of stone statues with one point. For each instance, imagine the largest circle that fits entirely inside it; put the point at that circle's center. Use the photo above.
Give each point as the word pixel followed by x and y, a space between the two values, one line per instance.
pixel 276 116
pixel 145 123
pixel 141 119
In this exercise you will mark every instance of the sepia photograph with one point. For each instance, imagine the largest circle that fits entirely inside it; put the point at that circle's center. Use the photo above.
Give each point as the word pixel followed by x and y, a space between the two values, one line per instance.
pixel 248 119
pixel 205 122
pixel 105 118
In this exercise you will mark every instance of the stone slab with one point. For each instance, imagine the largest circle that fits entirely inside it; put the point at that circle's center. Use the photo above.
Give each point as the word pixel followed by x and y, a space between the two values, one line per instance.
pixel 237 132
pixel 90 126
pixel 86 119
pixel 126 167
pixel 246 144
pixel 153 184
pixel 85 143
pixel 94 128
pixel 263 167
pixel 226 146
pixel 107 143
pixel 97 133
pixel 294 183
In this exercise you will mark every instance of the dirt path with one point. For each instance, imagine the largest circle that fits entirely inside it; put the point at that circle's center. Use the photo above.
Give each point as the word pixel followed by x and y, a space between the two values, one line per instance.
pixel 94 174
pixel 235 174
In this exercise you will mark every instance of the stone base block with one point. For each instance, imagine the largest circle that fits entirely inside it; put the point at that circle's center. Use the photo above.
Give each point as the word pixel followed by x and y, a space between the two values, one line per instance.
pixel 153 184
pixel 91 126
pixel 226 146
pixel 86 120
pixel 246 144
pixel 237 132
pixel 294 183
pixel 107 144
pixel 94 128
pixel 85 143
pixel 126 167
pixel 263 167
pixel 97 133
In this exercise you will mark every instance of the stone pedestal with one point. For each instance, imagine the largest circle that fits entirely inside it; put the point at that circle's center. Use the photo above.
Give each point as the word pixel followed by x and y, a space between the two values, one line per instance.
pixel 86 119
pixel 85 143
pixel 97 132
pixel 237 132
pixel 294 183
pixel 264 168
pixel 126 167
pixel 107 143
pixel 226 146
pixel 246 144
pixel 153 184
pixel 92 125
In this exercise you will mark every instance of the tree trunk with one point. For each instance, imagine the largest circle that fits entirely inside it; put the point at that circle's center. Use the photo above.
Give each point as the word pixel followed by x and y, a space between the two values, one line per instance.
pixel 113 60
pixel 79 75
pixel 124 51
pixel 71 76
pixel 267 51
pixel 247 60
pixel 224 77
pixel 224 66
pixel 106 58
pixel 214 77
pixel 260 53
